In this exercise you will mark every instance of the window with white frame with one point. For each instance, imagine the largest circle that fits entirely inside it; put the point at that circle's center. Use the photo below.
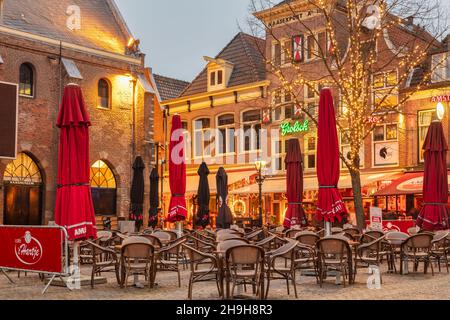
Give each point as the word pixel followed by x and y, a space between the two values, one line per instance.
pixel 251 125
pixel 279 149
pixel 425 118
pixel 216 80
pixel 284 107
pixel 312 98
pixel 226 134
pixel 310 152
pixel 202 138
pixel 282 52
pixel 186 140
pixel 385 145
pixel 346 149
pixel 440 65
pixel 316 46
pixel 385 93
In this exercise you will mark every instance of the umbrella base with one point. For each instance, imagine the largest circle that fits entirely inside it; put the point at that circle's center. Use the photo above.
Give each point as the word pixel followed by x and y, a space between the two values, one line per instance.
pixel 85 281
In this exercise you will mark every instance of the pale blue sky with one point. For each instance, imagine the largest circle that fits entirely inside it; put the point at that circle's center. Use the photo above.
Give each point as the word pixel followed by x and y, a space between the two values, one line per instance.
pixel 176 34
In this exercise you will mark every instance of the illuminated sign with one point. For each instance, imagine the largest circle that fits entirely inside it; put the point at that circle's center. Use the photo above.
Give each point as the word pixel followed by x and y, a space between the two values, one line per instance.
pixel 441 98
pixel 287 128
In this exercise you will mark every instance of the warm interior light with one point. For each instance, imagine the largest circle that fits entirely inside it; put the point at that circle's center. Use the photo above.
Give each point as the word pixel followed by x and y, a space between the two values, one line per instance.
pixel 440 111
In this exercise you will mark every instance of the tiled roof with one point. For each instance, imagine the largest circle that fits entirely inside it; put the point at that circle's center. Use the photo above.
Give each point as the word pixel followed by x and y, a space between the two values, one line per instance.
pixel 169 88
pixel 101 25
pixel 246 54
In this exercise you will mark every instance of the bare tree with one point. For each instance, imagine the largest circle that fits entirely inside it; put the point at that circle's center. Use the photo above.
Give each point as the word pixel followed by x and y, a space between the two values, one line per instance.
pixel 363 43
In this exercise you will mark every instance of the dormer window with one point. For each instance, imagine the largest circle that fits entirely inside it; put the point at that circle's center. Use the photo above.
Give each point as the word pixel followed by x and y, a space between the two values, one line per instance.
pixel 219 73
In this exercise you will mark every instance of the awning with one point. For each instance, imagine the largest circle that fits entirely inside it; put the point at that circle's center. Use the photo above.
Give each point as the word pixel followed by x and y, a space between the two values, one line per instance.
pixel 278 185
pixel 409 183
pixel 71 69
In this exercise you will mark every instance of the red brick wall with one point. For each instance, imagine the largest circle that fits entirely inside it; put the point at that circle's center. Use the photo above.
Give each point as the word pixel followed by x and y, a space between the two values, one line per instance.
pixel 110 134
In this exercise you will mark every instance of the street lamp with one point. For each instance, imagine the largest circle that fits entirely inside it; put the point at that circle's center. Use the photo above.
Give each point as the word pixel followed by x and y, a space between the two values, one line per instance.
pixel 260 165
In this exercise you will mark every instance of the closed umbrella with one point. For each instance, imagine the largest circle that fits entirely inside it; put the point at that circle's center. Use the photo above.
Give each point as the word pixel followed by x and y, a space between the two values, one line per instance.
pixel 435 213
pixel 137 192
pixel 330 206
pixel 74 209
pixel 224 217
pixel 295 214
pixel 203 196
pixel 154 199
pixel 177 173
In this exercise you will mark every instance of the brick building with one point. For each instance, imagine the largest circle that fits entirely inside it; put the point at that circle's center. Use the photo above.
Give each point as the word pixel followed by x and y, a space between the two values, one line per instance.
pixel 45 45
pixel 219 106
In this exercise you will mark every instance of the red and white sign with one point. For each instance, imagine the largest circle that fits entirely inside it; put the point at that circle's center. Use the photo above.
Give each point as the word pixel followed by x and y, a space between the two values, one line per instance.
pixel 34 249
pixel 297 48
pixel 376 218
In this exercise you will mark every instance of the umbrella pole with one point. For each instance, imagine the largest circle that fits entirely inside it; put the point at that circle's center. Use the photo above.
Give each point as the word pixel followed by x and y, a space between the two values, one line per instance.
pixel 327 228
pixel 179 228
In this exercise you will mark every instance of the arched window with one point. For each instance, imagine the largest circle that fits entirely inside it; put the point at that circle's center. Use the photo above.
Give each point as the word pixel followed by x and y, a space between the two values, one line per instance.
pixel 104 189
pixel 104 94
pixel 26 80
pixel 22 171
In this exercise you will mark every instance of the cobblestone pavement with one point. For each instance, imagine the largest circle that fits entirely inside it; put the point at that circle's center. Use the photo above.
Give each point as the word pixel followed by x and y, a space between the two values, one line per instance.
pixel 394 287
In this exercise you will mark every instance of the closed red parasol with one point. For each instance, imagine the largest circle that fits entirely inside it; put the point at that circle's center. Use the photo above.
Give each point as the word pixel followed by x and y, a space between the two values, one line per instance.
pixel 330 206
pixel 434 214
pixel 74 208
pixel 177 173
pixel 295 214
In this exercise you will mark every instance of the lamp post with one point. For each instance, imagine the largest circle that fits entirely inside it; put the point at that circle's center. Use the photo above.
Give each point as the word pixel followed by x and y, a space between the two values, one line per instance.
pixel 260 165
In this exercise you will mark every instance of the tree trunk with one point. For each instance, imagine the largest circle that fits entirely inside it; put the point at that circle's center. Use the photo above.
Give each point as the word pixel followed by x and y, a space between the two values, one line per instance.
pixel 357 194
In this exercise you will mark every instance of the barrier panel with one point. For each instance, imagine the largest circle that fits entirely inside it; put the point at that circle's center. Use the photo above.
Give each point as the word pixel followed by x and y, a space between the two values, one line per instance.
pixel 37 249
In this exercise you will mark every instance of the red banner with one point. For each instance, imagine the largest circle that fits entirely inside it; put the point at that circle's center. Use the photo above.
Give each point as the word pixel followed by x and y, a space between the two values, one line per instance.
pixel 34 249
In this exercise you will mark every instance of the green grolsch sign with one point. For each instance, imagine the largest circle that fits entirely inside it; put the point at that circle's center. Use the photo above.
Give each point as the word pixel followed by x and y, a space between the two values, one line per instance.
pixel 287 128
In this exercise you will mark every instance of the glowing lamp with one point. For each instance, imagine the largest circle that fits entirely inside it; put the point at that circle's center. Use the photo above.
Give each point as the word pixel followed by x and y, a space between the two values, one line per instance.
pixel 440 111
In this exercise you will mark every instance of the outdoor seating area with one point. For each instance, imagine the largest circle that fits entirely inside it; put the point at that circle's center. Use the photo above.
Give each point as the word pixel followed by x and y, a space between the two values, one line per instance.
pixel 245 264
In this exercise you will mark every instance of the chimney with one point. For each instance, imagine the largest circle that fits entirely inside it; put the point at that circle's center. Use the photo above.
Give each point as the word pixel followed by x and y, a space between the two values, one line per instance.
pixel 410 20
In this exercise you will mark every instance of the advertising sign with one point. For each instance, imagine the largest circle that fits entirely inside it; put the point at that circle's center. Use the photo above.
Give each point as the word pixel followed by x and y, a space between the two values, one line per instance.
pixel 33 249
pixel 376 218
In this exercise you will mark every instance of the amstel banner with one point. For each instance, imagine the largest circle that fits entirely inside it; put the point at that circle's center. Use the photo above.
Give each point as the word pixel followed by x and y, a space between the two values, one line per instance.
pixel 33 249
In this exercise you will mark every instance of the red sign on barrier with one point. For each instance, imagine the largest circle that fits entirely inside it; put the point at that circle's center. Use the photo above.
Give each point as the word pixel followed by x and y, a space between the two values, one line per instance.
pixel 34 249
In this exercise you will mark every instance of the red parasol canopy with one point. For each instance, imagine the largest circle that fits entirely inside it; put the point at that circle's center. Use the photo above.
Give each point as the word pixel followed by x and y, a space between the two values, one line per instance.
pixel 434 214
pixel 177 173
pixel 330 205
pixel 295 214
pixel 74 208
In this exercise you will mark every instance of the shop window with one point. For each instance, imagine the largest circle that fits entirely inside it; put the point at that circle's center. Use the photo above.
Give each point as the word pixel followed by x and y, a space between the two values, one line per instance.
pixel 251 121
pixel 104 94
pixel 202 138
pixel 26 80
pixel 226 134
pixel 104 189
pixel 425 118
